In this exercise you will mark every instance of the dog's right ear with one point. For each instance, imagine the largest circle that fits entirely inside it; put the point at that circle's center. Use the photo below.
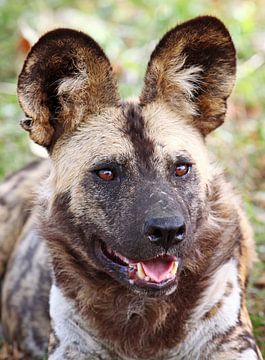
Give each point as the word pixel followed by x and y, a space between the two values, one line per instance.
pixel 66 77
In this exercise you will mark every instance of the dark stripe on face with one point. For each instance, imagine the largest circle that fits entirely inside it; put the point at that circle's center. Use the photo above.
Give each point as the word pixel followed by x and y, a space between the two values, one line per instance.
pixel 135 129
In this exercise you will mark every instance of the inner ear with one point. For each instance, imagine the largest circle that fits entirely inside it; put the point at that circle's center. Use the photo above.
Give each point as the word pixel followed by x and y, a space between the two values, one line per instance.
pixel 65 78
pixel 192 70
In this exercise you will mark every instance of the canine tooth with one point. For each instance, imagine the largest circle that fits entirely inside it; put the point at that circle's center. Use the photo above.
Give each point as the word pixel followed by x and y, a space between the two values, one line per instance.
pixel 140 271
pixel 109 249
pixel 174 268
pixel 126 260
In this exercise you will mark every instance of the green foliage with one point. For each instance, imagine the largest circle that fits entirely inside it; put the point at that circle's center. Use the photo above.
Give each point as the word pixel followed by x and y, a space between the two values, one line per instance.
pixel 14 148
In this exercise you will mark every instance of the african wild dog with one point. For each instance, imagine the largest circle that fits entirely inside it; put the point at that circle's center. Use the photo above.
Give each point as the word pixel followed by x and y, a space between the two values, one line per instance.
pixel 149 248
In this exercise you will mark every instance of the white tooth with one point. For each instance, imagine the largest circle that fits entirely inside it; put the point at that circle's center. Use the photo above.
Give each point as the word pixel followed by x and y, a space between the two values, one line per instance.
pixel 140 271
pixel 147 278
pixel 174 268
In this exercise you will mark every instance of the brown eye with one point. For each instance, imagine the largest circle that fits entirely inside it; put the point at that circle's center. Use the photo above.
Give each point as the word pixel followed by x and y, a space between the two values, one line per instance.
pixel 182 169
pixel 105 174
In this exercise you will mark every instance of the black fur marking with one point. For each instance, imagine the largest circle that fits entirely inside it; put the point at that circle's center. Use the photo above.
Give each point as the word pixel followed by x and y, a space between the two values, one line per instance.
pixel 73 36
pixel 247 342
pixel 135 129
pixel 201 22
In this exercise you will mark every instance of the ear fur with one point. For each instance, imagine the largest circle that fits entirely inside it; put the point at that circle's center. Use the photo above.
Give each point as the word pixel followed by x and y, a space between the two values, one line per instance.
pixel 65 77
pixel 192 69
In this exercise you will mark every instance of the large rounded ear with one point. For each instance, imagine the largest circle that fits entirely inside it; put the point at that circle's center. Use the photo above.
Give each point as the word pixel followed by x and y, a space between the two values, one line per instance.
pixel 192 70
pixel 65 77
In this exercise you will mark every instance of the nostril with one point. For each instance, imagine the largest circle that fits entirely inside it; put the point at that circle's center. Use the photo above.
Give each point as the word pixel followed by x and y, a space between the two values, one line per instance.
pixel 180 233
pixel 165 232
pixel 154 234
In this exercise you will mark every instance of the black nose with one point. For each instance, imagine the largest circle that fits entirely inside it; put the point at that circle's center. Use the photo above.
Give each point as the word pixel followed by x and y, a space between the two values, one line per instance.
pixel 165 232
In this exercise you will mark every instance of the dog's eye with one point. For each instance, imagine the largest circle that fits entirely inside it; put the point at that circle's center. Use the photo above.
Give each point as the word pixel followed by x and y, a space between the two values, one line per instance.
pixel 105 174
pixel 182 169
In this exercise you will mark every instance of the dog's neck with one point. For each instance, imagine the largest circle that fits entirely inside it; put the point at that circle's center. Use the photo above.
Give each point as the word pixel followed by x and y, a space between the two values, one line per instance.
pixel 78 337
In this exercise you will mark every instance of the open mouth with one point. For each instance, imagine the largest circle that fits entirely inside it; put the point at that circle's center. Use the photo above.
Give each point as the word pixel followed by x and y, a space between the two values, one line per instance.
pixel 155 274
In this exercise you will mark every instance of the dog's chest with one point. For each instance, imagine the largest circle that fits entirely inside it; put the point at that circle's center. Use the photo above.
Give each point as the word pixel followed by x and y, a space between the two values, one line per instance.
pixel 216 311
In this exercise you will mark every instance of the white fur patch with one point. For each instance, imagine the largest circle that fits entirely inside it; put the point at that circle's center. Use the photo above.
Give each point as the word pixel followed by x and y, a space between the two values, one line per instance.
pixel 70 330
pixel 73 83
pixel 248 354
pixel 202 331
pixel 187 79
pixel 227 273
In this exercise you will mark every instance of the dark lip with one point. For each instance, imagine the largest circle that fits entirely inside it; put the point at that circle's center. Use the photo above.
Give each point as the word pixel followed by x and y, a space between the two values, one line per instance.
pixel 124 275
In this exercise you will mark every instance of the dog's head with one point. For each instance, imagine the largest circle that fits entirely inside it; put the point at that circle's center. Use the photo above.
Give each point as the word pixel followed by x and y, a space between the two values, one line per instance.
pixel 135 174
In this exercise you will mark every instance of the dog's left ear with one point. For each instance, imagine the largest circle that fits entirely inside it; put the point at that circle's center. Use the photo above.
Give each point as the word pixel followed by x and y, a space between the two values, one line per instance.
pixel 192 70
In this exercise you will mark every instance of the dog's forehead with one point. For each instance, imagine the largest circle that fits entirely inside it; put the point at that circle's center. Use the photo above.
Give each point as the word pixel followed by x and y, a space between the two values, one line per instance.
pixel 172 133
pixel 134 133
pixel 99 136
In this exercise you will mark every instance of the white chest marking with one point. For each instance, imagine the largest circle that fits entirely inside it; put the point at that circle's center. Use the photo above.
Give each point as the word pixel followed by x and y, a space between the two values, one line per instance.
pixel 70 330
pixel 201 332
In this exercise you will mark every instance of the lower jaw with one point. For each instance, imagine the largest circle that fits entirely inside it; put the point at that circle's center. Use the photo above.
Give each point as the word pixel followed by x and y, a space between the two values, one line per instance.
pixel 154 290
pixel 126 276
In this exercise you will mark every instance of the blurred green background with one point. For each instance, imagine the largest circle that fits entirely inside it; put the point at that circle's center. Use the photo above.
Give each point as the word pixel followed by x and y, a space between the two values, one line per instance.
pixel 128 31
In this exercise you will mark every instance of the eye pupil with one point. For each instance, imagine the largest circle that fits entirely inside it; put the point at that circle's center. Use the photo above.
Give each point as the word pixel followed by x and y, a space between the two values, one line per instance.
pixel 105 174
pixel 182 169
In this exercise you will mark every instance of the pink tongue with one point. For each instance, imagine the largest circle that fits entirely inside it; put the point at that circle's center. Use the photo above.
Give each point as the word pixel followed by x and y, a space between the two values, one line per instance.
pixel 158 269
